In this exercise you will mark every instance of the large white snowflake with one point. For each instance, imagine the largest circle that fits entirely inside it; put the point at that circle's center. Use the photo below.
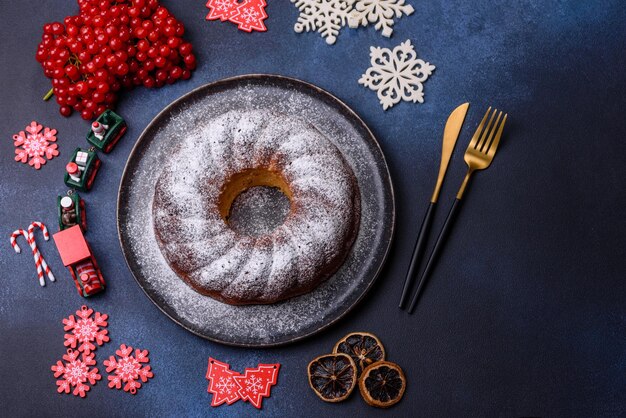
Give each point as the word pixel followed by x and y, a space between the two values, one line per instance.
pixel 380 12
pixel 323 16
pixel 225 385
pixel 253 384
pixel 397 74
pixel 34 146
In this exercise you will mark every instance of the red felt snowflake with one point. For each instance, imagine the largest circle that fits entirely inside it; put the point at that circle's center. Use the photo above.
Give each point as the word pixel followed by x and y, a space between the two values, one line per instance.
pixel 128 369
pixel 86 329
pixel 76 373
pixel 34 146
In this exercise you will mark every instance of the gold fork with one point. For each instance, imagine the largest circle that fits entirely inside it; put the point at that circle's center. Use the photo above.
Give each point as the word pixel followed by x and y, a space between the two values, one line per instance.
pixel 478 156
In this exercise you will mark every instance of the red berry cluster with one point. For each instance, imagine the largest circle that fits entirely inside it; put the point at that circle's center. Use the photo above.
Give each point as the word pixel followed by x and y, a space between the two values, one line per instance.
pixel 110 45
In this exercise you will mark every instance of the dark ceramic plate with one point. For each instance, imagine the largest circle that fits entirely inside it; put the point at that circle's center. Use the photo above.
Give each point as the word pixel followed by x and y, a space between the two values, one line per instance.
pixel 256 325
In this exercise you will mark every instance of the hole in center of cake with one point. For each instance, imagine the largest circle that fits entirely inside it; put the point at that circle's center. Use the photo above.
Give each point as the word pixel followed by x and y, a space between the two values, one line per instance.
pixel 255 201
pixel 258 210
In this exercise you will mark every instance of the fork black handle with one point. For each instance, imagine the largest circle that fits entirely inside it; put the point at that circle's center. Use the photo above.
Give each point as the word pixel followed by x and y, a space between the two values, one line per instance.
pixel 417 254
pixel 436 252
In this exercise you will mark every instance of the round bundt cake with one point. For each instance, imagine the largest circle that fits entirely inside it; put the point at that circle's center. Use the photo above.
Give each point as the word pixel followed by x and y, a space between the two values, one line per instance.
pixel 217 160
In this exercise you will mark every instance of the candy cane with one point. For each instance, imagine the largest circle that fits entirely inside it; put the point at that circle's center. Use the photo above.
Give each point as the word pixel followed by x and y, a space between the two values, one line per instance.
pixel 33 244
pixel 17 249
pixel 14 236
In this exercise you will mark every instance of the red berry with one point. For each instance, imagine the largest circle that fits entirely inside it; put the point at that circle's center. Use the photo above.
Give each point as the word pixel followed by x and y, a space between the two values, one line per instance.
pixel 153 36
pixel 116 44
pixel 57 28
pixel 164 51
pixel 143 45
pixel 81 88
pixel 122 69
pixel 65 111
pixel 99 61
pixel 112 61
pixel 190 60
pixel 72 72
pixel 169 30
pixel 102 88
pixel 185 49
pixel 149 82
pixel 160 62
pixel 161 75
pixel 86 114
pixel 176 73
pixel 162 13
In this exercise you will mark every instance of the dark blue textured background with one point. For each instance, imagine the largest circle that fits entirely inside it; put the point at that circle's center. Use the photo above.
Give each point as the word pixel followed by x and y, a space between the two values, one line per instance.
pixel 526 314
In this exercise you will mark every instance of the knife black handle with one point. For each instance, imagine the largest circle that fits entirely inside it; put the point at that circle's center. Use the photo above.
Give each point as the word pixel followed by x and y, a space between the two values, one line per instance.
pixel 417 254
pixel 436 252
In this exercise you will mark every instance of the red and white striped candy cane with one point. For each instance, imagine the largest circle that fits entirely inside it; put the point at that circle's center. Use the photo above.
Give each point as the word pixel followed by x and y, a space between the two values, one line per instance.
pixel 17 249
pixel 33 243
pixel 14 236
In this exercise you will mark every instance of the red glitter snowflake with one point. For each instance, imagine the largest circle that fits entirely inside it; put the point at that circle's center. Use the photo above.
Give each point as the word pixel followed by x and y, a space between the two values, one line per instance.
pixel 128 369
pixel 76 373
pixel 86 329
pixel 34 146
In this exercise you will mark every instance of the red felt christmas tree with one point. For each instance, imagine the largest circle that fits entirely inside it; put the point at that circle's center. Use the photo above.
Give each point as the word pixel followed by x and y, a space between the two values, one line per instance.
pixel 255 384
pixel 221 9
pixel 250 16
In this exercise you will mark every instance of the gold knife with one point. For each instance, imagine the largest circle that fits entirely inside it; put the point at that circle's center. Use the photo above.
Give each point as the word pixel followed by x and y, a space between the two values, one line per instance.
pixel 450 135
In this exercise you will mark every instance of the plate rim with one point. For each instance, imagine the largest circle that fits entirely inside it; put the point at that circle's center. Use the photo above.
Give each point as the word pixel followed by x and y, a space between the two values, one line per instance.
pixel 256 76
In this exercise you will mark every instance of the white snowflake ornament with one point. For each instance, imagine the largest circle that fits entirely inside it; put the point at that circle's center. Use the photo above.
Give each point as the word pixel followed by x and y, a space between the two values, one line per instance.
pixel 397 74
pixel 380 12
pixel 323 16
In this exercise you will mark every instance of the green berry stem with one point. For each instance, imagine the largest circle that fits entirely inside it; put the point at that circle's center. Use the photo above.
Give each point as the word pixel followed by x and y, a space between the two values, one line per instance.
pixel 49 94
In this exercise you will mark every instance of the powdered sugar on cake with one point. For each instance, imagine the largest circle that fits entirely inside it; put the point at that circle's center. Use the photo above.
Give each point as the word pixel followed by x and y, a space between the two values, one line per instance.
pixel 294 258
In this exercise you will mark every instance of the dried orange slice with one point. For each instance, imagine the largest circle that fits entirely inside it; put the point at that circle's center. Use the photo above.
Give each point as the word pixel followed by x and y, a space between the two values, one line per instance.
pixel 382 384
pixel 363 347
pixel 332 376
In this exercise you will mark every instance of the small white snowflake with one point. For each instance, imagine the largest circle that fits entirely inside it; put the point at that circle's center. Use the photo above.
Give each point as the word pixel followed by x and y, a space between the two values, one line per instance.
pixel 380 12
pixel 253 384
pixel 397 75
pixel 323 16
pixel 223 5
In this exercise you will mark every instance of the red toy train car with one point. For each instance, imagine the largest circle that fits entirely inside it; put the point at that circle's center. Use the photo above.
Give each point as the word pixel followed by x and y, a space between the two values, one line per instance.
pixel 78 258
